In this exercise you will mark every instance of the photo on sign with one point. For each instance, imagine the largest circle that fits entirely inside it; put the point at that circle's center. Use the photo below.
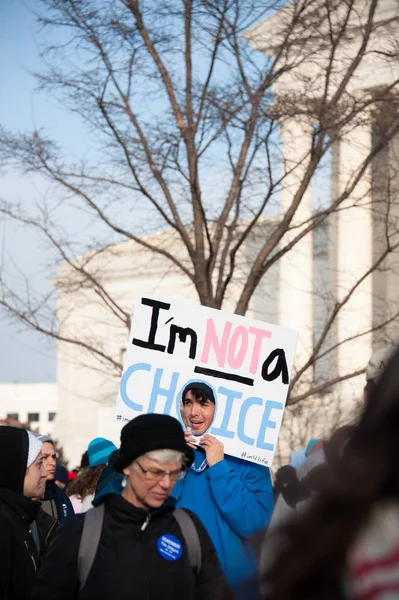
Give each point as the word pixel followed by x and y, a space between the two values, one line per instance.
pixel 198 407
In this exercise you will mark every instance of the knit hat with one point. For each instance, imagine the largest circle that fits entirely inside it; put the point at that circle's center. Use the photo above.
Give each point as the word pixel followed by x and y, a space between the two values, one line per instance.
pixel 151 432
pixel 43 438
pixel 378 362
pixel 99 450
pixel 84 461
pixel 35 447
pixel 61 474
pixel 203 387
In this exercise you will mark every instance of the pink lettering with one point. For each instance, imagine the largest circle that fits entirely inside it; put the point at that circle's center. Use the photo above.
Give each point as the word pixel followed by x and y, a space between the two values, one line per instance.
pixel 259 335
pixel 234 359
pixel 212 341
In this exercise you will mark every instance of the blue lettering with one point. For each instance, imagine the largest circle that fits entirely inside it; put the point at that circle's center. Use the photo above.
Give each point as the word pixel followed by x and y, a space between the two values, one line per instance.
pixel 267 424
pixel 230 397
pixel 168 393
pixel 123 385
pixel 246 405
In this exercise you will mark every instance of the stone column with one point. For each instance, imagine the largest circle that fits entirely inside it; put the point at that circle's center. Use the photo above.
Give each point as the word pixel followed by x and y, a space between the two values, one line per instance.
pixel 386 230
pixel 380 190
pixel 352 251
pixel 392 262
pixel 295 299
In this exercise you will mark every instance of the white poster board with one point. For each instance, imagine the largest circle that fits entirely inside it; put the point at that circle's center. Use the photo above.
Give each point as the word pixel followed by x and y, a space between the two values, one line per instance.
pixel 246 362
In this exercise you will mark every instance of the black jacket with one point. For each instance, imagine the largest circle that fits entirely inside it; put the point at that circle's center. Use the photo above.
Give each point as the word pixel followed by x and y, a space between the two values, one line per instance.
pixel 56 503
pixel 128 564
pixel 20 555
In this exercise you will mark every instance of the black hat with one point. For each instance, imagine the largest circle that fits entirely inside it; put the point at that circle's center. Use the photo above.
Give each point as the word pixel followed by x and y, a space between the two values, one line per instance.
pixel 84 461
pixel 61 474
pixel 203 387
pixel 151 432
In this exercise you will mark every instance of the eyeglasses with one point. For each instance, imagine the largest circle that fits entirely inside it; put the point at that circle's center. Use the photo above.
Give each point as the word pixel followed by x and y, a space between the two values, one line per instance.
pixel 158 474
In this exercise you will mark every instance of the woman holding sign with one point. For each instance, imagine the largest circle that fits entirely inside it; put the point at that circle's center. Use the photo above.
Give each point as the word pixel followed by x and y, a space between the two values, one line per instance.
pixel 232 497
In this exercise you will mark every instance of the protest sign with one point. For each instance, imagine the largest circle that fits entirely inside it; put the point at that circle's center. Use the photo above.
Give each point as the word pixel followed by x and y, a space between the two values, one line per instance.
pixel 247 363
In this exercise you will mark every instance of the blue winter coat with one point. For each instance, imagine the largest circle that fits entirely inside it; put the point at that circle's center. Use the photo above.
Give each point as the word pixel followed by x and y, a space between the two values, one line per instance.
pixel 234 500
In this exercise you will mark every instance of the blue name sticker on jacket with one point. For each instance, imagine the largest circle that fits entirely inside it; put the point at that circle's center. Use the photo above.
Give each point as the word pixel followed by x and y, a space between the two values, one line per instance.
pixel 169 547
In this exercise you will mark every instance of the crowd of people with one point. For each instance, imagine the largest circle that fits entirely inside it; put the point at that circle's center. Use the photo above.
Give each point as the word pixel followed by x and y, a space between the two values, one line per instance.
pixel 169 515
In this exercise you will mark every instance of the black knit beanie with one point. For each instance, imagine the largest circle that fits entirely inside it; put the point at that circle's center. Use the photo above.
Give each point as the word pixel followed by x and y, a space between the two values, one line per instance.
pixel 14 448
pixel 203 387
pixel 84 461
pixel 151 432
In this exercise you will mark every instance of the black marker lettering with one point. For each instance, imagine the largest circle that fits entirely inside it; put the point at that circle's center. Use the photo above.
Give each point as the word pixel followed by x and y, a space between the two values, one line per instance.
pixel 183 333
pixel 156 306
pixel 224 375
pixel 280 368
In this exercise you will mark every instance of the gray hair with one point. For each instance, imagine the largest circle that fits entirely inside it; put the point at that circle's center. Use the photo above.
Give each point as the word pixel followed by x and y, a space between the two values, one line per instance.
pixel 165 456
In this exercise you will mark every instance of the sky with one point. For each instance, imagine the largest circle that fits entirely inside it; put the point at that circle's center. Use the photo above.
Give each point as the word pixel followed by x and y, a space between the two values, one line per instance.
pixel 25 356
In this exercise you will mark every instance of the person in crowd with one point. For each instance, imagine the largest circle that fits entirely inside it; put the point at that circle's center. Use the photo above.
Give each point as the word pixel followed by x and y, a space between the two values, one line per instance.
pixel 232 497
pixel 81 490
pixel 145 548
pixel 61 476
pixel 84 461
pixel 376 367
pixel 346 544
pixel 110 481
pixel 25 530
pixel 55 502
pixel 294 487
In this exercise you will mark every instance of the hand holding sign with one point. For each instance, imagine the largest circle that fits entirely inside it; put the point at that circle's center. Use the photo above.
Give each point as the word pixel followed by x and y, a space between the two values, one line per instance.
pixel 213 448
pixel 190 441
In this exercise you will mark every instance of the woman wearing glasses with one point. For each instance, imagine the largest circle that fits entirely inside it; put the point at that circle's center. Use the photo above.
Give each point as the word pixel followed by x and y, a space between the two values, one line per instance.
pixel 144 550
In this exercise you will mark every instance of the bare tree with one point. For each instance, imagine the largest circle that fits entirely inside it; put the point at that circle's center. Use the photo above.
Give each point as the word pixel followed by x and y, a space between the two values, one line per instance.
pixel 186 120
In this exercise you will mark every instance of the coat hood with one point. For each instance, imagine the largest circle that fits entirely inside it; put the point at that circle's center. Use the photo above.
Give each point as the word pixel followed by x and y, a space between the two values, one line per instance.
pixel 14 448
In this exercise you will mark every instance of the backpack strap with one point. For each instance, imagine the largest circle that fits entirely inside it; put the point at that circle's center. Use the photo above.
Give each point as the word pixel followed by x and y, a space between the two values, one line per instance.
pixel 191 537
pixel 92 528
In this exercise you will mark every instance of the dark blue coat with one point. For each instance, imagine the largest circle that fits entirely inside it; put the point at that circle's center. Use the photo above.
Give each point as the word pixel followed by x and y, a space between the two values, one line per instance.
pixel 56 502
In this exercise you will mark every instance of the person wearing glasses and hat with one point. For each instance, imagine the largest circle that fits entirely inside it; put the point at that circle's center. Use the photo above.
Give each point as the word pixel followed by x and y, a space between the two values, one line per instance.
pixel 144 547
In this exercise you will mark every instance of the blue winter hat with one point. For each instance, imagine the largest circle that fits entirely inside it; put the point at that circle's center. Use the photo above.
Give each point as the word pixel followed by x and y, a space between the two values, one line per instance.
pixel 99 451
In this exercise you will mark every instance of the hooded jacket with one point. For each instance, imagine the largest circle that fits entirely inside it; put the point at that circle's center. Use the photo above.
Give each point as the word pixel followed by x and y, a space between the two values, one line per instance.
pixel 56 503
pixel 234 500
pixel 20 554
pixel 130 563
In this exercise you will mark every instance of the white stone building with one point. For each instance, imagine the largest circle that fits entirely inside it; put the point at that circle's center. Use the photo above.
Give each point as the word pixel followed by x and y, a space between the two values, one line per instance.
pixel 31 404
